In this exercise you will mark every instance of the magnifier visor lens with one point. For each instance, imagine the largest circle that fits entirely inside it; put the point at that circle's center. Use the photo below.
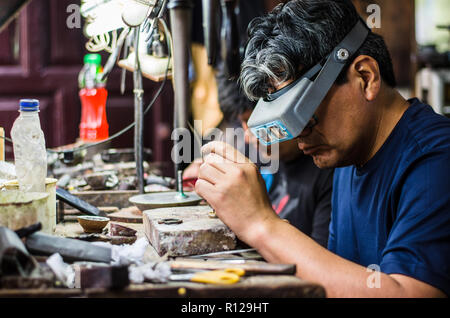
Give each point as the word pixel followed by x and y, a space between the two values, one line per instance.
pixel 272 133
pixel 263 136
pixel 277 132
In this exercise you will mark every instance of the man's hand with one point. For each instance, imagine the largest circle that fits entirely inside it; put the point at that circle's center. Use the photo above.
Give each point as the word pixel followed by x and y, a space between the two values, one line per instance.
pixel 191 171
pixel 232 185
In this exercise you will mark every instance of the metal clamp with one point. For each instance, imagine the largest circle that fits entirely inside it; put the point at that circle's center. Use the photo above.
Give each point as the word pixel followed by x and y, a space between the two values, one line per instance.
pixel 342 55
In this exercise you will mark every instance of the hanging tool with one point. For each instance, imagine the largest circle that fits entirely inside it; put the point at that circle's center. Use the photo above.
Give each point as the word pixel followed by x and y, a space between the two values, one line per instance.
pixel 126 51
pixel 230 39
pixel 181 21
pixel 112 59
pixel 135 18
pixel 210 8
pixel 226 276
pixel 138 116
pixel 151 22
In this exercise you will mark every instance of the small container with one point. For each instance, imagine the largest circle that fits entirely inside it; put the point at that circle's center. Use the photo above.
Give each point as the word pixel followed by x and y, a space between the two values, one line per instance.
pixel 92 224
pixel 48 219
pixel 20 209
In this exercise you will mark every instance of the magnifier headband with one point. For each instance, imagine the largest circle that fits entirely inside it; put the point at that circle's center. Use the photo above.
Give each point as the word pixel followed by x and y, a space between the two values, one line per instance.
pixel 284 114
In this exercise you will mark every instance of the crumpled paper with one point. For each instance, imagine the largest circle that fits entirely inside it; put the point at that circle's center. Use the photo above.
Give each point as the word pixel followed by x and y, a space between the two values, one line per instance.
pixel 127 254
pixel 155 272
pixel 64 272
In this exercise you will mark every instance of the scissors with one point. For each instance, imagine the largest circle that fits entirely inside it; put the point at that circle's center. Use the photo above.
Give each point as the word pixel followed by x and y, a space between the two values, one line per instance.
pixel 225 276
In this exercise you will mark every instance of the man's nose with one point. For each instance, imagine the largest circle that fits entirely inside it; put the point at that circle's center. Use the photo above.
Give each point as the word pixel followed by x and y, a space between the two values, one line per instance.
pixel 305 132
pixel 308 129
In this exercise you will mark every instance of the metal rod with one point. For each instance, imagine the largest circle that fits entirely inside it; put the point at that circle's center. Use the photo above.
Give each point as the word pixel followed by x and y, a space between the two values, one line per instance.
pixel 210 9
pixel 245 250
pixel 180 194
pixel 180 20
pixel 138 116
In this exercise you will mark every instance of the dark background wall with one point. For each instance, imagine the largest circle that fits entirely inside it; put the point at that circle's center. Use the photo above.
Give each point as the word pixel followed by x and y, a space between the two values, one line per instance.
pixel 40 57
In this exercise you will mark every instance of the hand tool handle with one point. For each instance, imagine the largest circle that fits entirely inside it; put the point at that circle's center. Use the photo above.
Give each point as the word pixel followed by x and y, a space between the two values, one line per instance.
pixel 230 39
pixel 216 277
pixel 26 231
pixel 253 268
pixel 209 8
pixel 77 203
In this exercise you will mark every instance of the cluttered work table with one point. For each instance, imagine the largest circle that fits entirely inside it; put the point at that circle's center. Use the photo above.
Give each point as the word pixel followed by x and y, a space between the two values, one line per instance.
pixel 149 254
pixel 109 224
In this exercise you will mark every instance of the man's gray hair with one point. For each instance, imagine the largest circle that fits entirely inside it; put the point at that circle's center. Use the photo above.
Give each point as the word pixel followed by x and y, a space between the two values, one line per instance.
pixel 297 35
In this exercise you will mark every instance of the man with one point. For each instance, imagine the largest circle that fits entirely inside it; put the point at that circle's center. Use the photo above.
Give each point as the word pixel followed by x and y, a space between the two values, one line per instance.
pixel 390 204
pixel 299 192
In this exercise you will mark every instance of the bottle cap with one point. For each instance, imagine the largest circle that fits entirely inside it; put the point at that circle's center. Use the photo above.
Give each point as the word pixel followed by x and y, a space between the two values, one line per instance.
pixel 92 59
pixel 29 105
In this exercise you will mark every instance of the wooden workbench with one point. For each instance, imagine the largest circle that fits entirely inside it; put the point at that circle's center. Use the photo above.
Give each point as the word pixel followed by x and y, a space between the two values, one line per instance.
pixel 248 287
pixel 261 286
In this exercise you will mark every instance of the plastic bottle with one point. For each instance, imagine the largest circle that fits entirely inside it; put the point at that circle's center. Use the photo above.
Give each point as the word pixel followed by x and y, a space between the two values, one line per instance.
pixel 93 94
pixel 29 148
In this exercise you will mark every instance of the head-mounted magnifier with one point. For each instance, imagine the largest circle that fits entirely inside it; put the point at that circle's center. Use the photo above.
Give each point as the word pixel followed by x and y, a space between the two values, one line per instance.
pixel 284 114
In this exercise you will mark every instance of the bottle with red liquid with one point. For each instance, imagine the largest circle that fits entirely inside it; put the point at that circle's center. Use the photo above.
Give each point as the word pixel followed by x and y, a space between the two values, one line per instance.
pixel 93 126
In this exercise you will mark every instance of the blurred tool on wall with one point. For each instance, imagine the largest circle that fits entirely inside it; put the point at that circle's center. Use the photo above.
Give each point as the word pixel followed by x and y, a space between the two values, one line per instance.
pixel 230 38
pixel 433 79
pixel 219 37
pixel 433 57
pixel 93 94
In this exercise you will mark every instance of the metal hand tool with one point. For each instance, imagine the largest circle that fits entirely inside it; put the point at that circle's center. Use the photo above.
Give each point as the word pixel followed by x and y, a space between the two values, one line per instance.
pixel 224 253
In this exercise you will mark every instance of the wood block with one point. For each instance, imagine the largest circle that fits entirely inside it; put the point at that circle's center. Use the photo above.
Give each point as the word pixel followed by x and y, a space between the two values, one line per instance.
pixel 127 215
pixel 117 198
pixel 197 234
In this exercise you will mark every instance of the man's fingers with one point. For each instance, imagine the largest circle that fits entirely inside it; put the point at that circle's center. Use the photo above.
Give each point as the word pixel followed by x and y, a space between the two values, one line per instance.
pixel 210 173
pixel 218 162
pixel 204 188
pixel 224 150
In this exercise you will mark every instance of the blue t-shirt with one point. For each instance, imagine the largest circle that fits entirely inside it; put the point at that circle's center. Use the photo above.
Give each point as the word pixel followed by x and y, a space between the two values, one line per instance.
pixel 394 212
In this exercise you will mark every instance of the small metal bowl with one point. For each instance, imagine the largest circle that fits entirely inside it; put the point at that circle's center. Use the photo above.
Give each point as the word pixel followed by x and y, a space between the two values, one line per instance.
pixel 92 224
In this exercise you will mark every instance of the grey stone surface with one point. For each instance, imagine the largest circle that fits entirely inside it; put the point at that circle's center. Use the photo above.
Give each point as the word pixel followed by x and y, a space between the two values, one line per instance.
pixel 197 234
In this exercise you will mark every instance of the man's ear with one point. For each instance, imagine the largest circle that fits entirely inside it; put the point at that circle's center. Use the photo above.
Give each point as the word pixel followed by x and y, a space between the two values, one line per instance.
pixel 366 71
